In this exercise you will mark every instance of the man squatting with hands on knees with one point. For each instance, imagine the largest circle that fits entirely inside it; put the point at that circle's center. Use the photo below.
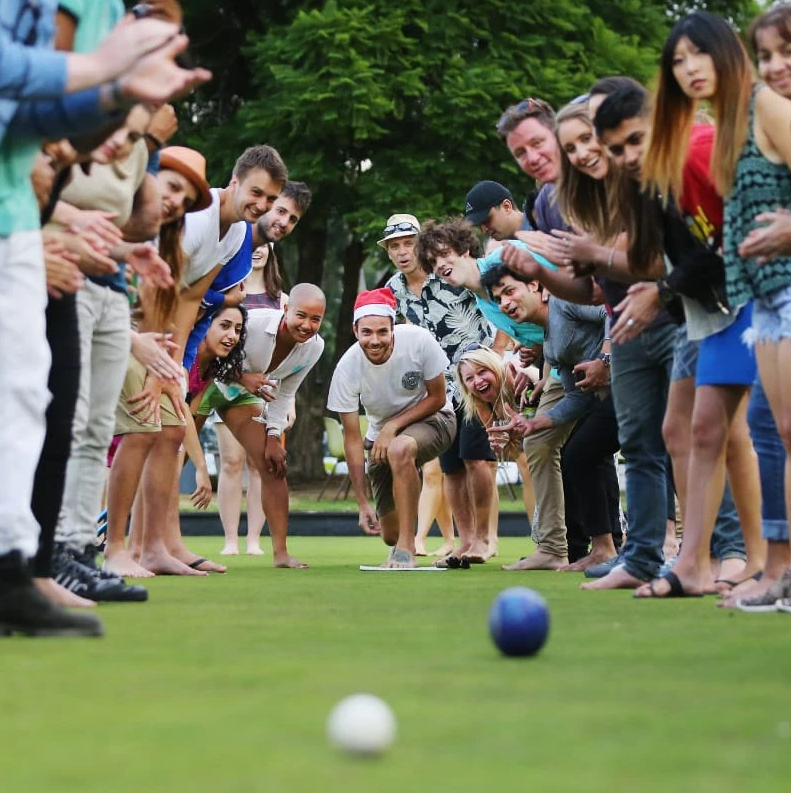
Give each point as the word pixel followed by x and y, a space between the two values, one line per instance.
pixel 398 374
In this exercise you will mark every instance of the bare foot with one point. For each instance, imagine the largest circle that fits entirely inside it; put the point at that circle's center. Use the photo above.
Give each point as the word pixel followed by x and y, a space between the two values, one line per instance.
pixel 62 596
pixel 165 564
pixel 123 565
pixel 420 550
pixel 594 557
pixel 400 558
pixel 254 550
pixel 617 578
pixel 444 549
pixel 538 560
pixel 284 560
pixel 492 549
pixel 229 550
pixel 477 553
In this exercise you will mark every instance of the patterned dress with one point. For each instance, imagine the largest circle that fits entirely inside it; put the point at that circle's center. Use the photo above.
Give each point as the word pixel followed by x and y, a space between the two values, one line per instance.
pixel 759 186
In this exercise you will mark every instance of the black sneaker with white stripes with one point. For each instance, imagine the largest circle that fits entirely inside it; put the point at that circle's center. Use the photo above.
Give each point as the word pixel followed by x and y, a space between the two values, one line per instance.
pixel 88 581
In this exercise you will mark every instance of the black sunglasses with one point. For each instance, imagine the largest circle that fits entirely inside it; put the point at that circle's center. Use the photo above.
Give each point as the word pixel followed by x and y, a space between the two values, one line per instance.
pixel 524 109
pixel 405 225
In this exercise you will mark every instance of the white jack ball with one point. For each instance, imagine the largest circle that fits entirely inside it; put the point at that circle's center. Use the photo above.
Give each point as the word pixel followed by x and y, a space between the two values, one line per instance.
pixel 362 724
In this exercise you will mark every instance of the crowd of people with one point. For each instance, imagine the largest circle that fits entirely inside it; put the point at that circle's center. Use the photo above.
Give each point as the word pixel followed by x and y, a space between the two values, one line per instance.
pixel 637 304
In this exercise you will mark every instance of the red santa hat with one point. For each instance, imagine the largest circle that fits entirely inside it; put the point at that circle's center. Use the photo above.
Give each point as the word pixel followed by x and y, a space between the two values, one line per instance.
pixel 375 303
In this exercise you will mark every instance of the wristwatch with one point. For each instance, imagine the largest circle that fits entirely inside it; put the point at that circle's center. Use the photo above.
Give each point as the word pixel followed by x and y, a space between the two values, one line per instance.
pixel 666 294
pixel 604 357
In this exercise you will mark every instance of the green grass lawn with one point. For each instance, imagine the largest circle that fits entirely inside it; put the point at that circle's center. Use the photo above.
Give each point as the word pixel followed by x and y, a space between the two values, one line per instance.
pixel 225 683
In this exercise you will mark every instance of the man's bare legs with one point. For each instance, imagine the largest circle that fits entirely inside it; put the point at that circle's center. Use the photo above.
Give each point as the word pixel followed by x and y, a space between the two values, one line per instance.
pixel 125 475
pixel 274 490
pixel 161 475
pixel 433 504
pixel 401 456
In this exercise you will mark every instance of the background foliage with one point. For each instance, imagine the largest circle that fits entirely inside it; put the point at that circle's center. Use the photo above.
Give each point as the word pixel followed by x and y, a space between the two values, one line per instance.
pixel 384 108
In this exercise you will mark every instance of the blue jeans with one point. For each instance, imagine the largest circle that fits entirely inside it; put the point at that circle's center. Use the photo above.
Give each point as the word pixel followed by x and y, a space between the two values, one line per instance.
pixel 771 466
pixel 640 381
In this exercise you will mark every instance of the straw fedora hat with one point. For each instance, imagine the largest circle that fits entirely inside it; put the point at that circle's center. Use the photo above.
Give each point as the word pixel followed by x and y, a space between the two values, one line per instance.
pixel 190 164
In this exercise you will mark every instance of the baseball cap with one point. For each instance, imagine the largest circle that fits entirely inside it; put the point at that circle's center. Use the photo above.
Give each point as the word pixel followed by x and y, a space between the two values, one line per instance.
pixel 482 198
pixel 399 226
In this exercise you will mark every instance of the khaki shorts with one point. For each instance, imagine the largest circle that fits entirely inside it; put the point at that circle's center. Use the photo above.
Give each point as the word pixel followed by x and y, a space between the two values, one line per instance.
pixel 125 422
pixel 433 435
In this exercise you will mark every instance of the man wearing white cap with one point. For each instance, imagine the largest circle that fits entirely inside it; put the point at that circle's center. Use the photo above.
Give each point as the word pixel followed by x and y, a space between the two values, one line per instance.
pixel 398 374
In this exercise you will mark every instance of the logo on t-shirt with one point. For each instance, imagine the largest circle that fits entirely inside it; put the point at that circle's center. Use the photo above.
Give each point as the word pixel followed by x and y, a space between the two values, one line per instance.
pixel 411 381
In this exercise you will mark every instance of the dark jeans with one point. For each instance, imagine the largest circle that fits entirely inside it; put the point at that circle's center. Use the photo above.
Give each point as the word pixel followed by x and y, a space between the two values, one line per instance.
pixel 64 383
pixel 590 481
pixel 640 381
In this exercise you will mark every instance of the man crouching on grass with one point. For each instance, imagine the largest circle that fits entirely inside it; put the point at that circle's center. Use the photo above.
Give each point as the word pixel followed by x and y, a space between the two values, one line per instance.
pixel 398 374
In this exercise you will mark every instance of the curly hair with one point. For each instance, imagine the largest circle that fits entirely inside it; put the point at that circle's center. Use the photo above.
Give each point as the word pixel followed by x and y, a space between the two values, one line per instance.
pixel 435 239
pixel 230 369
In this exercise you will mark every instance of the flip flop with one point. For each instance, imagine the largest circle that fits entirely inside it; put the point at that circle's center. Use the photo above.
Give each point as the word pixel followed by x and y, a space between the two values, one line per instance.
pixel 733 584
pixel 676 589
pixel 197 563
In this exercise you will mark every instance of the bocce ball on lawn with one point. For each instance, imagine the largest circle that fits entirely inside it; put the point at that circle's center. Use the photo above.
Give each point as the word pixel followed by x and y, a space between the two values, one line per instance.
pixel 519 621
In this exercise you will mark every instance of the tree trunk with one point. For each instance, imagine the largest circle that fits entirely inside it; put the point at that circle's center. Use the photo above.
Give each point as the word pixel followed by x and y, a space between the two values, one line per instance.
pixel 305 458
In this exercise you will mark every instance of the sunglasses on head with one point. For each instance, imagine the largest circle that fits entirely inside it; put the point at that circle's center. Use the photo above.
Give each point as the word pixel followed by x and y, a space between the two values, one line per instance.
pixel 469 348
pixel 404 225
pixel 524 109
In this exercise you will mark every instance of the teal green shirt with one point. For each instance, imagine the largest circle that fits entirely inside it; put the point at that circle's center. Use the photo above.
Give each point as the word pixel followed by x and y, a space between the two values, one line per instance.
pixel 18 205
pixel 94 20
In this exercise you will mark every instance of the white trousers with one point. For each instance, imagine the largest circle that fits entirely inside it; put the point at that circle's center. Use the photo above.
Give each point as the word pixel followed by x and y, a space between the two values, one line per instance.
pixel 24 369
pixel 103 316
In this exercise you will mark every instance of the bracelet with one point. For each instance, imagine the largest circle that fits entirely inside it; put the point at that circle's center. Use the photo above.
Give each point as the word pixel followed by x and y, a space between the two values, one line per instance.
pixel 611 259
pixel 158 144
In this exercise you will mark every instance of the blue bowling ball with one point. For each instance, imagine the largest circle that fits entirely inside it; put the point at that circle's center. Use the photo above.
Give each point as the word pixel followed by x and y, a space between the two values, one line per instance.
pixel 519 621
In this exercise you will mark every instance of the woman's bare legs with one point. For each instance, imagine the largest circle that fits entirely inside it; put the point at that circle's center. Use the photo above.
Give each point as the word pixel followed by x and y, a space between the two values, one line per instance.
pixel 161 475
pixel 528 494
pixel 229 487
pixel 745 482
pixel 433 505
pixel 713 415
pixel 255 512
pixel 492 543
pixel 274 490
pixel 125 476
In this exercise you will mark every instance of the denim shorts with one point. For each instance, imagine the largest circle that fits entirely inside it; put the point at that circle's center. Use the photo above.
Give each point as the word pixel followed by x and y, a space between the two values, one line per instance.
pixel 685 356
pixel 772 316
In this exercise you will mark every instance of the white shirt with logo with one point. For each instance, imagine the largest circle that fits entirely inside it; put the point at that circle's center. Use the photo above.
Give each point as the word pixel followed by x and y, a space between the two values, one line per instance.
pixel 392 387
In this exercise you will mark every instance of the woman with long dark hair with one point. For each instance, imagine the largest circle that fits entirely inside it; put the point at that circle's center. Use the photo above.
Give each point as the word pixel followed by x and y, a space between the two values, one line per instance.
pixel 703 59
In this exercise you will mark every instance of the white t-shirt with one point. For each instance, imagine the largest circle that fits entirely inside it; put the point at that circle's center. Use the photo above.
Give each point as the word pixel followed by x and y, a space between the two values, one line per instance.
pixel 200 243
pixel 392 387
